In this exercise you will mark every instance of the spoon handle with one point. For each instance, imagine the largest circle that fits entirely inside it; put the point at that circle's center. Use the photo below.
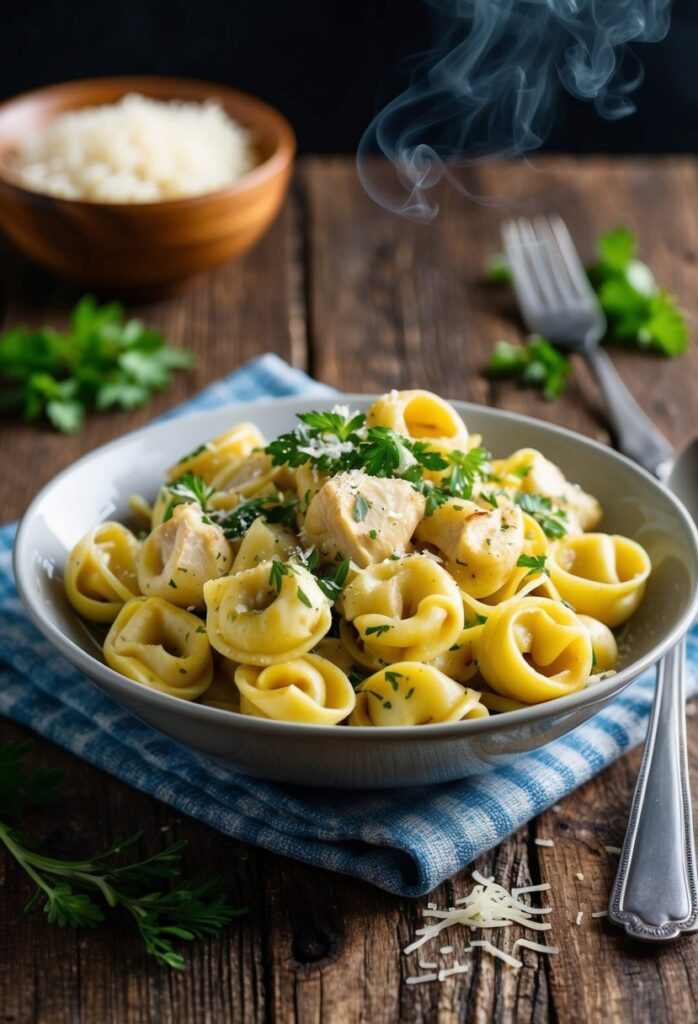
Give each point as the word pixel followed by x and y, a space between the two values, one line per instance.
pixel 635 433
pixel 655 894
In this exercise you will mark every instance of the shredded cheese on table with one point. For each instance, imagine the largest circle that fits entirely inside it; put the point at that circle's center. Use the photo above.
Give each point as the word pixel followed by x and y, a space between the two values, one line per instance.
pixel 544 842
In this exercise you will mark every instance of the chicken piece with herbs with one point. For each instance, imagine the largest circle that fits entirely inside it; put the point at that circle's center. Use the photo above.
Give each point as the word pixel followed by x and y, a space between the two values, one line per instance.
pixel 363 518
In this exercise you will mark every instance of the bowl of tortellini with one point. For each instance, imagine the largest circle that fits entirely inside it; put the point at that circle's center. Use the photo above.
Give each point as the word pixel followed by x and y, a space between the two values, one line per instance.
pixel 376 591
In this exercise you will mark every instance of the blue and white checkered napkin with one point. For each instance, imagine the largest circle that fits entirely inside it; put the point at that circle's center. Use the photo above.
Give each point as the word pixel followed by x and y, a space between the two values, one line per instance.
pixel 403 841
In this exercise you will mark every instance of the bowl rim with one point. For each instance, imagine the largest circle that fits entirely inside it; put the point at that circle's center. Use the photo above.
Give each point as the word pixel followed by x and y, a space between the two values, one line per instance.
pixel 600 692
pixel 275 164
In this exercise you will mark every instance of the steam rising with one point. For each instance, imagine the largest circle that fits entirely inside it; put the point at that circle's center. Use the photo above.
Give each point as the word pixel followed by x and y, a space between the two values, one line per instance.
pixel 492 85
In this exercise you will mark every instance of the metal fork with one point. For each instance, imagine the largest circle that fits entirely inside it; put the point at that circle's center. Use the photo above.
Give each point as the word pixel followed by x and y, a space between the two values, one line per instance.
pixel 557 301
pixel 655 893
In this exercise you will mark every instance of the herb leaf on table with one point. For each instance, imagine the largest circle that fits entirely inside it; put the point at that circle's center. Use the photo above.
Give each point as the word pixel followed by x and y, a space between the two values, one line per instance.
pixel 102 360
pixel 78 893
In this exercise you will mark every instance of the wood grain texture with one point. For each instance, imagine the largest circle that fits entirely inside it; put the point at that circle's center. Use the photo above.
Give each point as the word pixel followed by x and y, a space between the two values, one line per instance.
pixel 367 302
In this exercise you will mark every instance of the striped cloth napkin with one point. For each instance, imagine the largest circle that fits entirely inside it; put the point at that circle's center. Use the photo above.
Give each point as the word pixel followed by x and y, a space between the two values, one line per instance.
pixel 404 841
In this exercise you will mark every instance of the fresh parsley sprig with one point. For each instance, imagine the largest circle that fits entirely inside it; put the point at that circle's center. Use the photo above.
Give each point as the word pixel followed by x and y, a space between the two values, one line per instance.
pixel 554 522
pixel 534 563
pixel 100 361
pixel 640 313
pixel 189 489
pixel 333 443
pixel 79 892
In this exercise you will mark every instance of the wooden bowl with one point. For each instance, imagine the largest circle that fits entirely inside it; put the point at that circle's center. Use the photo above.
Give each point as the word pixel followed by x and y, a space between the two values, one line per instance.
pixel 143 246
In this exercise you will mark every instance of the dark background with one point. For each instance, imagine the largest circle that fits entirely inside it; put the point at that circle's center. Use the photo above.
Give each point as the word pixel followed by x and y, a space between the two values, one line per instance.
pixel 320 61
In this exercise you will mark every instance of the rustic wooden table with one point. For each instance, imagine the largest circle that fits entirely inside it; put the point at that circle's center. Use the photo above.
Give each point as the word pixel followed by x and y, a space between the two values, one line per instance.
pixel 366 302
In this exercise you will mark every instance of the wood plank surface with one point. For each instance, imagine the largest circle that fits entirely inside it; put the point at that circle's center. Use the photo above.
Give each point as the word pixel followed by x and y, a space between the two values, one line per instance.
pixel 366 302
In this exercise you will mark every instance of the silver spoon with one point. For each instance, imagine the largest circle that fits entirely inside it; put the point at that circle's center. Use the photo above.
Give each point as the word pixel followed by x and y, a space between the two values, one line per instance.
pixel 655 893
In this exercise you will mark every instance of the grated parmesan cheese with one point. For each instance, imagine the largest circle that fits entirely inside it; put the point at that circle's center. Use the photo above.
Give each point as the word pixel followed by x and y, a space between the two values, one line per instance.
pixel 537 947
pixel 580 876
pixel 498 953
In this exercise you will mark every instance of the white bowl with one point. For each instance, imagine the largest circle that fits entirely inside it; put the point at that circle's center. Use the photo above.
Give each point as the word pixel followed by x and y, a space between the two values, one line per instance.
pixel 98 486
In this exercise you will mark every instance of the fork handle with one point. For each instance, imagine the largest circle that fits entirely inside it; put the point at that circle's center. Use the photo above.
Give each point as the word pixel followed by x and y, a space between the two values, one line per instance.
pixel 635 434
pixel 655 894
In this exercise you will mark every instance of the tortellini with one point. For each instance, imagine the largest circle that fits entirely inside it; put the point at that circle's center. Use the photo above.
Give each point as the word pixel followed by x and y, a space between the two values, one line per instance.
pixel 180 555
pixel 222 693
pixel 361 571
pixel 603 645
pixel 308 689
pixel 266 615
pixel 410 693
pixel 420 415
pixel 264 542
pixel 405 610
pixel 534 649
pixel 161 646
pixel 216 458
pixel 600 575
pixel 100 574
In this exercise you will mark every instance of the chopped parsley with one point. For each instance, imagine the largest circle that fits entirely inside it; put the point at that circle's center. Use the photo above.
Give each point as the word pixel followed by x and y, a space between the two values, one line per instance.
pixel 236 523
pixel 552 521
pixel 190 489
pixel 361 507
pixel 534 563
pixel 277 572
pixel 303 598
pixel 392 678
pixel 200 629
pixel 172 584
pixel 332 579
pixel 377 630
pixel 373 534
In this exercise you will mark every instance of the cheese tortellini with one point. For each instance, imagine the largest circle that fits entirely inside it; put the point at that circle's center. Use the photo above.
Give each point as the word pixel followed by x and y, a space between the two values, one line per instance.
pixel 162 646
pixel 308 689
pixel 361 571
pixel 405 610
pixel 101 572
pixel 409 693
pixel 259 618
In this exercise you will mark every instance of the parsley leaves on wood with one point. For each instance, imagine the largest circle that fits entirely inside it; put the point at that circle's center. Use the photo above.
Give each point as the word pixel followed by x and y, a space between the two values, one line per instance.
pixel 640 313
pixel 79 893
pixel 535 364
pixel 101 360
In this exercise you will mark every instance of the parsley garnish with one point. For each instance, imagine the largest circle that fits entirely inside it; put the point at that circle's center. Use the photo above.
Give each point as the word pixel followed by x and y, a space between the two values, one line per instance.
pixel 303 598
pixel 189 489
pixel 361 507
pixel 552 521
pixel 172 584
pixel 409 693
pixel 80 892
pixel 200 629
pixel 236 523
pixel 356 676
pixel 277 572
pixel 102 360
pixel 534 563
pixel 332 580
pixel 392 678
pixel 335 444
pixel 377 630
pixel 197 451
pixel 522 471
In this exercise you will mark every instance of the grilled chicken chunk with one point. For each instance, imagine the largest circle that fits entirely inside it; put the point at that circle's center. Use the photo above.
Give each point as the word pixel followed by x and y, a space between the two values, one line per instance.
pixel 484 543
pixel 363 518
